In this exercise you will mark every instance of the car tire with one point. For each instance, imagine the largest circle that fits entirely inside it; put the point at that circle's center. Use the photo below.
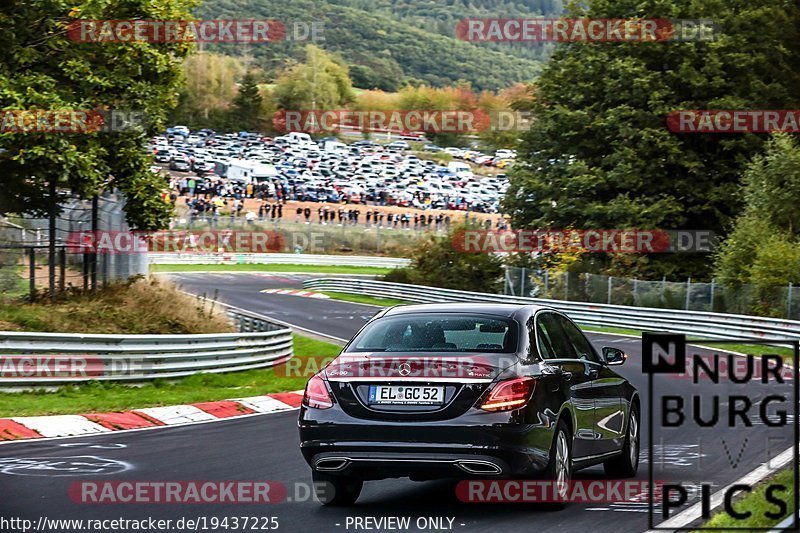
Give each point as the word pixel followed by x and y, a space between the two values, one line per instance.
pixel 559 469
pixel 626 464
pixel 336 491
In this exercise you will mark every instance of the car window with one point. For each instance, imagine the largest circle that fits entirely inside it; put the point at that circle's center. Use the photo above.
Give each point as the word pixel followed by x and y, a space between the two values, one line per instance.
pixel 582 346
pixel 551 339
pixel 539 338
pixel 425 332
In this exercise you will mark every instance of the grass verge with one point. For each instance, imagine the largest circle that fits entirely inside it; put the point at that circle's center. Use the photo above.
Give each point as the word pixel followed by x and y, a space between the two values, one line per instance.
pixel 363 299
pixel 758 506
pixel 311 269
pixel 138 306
pixel 310 354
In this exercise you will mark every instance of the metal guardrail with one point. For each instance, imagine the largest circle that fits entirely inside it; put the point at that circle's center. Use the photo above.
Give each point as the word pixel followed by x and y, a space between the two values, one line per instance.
pixel 75 358
pixel 710 325
pixel 274 259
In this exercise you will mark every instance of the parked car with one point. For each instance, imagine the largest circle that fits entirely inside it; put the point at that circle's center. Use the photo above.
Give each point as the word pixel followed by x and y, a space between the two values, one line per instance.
pixel 398 145
pixel 202 166
pixel 180 164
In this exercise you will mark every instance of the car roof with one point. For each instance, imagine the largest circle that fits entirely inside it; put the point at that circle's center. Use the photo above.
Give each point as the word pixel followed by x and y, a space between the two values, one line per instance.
pixel 518 311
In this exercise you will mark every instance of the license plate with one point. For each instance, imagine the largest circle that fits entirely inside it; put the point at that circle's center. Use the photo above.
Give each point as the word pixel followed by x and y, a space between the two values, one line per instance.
pixel 406 395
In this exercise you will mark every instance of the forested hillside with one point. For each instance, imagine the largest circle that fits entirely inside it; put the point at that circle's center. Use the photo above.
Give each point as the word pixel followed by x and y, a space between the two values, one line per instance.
pixel 388 43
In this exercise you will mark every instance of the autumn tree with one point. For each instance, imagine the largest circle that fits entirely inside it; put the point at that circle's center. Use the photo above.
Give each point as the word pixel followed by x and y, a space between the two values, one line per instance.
pixel 320 82
pixel 209 89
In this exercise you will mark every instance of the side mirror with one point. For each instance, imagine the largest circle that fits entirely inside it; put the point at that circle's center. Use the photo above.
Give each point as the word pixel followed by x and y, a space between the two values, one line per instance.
pixel 614 356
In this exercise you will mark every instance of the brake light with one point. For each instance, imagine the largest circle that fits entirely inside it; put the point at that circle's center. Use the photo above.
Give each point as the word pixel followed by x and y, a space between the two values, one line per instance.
pixel 316 394
pixel 510 394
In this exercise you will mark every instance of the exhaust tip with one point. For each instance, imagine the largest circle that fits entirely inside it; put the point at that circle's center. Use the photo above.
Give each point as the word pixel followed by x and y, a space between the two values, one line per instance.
pixel 479 467
pixel 331 464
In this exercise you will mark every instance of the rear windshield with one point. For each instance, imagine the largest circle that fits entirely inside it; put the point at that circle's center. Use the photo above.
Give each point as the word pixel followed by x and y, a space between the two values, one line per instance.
pixel 438 333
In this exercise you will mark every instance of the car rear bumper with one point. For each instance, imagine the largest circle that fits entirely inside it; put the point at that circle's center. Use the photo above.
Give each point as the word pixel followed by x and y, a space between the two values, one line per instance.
pixel 424 450
pixel 380 465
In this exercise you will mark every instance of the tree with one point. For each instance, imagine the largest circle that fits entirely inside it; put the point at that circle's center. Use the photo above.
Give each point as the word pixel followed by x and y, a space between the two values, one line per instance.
pixel 764 246
pixel 507 109
pixel 394 44
pixel 209 88
pixel 598 154
pixel 321 82
pixel 376 71
pixel 247 106
pixel 438 262
pixel 42 69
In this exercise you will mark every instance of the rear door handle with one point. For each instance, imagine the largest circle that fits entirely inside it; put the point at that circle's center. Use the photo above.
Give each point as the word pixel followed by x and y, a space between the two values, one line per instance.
pixel 593 374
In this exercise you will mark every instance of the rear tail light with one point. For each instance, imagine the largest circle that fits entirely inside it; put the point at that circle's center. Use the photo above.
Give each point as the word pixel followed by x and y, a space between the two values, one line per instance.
pixel 510 394
pixel 316 394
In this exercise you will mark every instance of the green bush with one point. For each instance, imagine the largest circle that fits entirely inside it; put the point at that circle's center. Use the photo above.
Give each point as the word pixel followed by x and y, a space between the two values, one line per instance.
pixel 438 262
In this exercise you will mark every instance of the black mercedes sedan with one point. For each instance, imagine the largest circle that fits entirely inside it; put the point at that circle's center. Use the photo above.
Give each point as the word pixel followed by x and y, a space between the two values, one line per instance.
pixel 467 391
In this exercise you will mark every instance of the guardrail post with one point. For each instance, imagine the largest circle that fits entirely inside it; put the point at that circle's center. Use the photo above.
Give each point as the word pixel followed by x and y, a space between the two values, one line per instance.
pixel 546 283
pixel 688 291
pixel 610 282
pixel 62 265
pixel 104 276
pixel 32 273
pixel 85 272
pixel 713 286
pixel 789 305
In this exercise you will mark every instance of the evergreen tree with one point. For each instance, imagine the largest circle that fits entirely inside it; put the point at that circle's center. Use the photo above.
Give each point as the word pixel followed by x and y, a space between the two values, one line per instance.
pixel 599 154
pixel 247 105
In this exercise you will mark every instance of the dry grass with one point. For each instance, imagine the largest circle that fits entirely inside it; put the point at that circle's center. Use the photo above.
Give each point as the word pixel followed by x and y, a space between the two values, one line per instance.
pixel 140 306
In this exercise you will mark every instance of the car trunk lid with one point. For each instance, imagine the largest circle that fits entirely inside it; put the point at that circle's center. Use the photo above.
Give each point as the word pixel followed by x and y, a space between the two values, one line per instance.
pixel 415 386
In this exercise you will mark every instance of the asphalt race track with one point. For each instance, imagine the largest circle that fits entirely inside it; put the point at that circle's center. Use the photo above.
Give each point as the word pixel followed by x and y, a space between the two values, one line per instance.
pixel 265 447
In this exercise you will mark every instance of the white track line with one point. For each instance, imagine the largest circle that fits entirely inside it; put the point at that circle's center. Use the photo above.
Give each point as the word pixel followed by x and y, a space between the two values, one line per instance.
pixel 162 428
pixel 684 518
pixel 177 414
pixel 60 425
